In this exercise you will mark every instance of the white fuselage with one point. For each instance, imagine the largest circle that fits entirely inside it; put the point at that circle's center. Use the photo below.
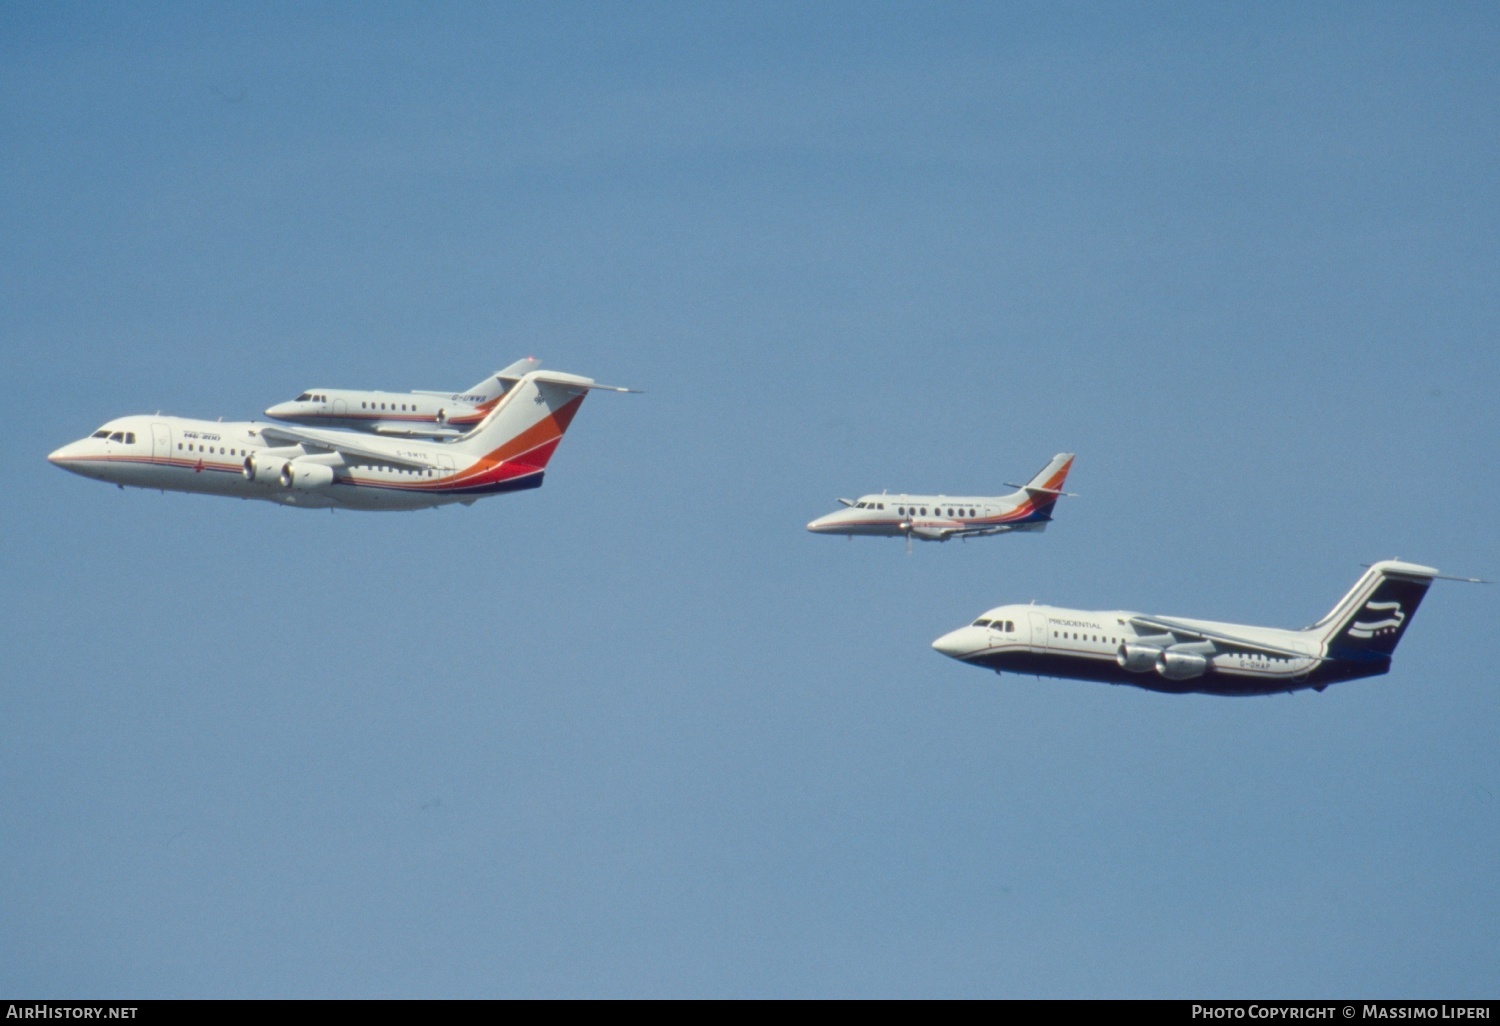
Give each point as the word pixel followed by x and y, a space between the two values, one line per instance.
pixel 940 517
pixel 205 456
pixel 391 413
pixel 931 517
pixel 1087 644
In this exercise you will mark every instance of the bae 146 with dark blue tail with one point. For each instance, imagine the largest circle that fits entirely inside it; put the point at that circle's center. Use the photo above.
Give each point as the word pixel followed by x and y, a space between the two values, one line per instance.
pixel 1356 639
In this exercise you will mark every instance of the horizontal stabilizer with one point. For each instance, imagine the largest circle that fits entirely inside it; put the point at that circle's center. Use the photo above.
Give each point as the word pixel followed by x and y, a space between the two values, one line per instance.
pixel 1041 491
pixel 577 381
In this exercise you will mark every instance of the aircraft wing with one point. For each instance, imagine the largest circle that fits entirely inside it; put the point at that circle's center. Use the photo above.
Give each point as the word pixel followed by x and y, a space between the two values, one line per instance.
pixel 440 433
pixel 341 442
pixel 937 532
pixel 1161 623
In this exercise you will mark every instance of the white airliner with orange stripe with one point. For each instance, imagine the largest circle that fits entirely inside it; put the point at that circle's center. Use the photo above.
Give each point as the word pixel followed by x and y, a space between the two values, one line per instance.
pixel 324 469
pixel 443 415
pixel 940 517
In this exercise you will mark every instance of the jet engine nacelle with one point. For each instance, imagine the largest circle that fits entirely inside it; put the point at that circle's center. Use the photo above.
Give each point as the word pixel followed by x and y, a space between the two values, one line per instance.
pixel 1138 658
pixel 304 476
pixel 1184 662
pixel 266 466
pixel 1140 655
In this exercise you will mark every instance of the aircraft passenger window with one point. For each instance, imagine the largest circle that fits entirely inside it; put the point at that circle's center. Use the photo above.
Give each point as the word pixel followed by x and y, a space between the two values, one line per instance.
pixel 924 511
pixel 179 446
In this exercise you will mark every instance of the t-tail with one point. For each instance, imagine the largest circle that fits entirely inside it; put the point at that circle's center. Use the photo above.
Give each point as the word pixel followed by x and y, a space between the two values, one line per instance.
pixel 1043 491
pixel 518 437
pixel 1368 622
pixel 494 386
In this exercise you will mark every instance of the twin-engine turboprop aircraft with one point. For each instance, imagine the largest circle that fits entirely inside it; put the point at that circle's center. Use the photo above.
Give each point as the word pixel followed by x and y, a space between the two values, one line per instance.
pixel 1158 653
pixel 940 517
pixel 321 469
pixel 442 415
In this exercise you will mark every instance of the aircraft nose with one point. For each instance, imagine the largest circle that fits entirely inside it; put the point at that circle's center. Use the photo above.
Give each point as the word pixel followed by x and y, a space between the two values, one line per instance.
pixel 281 410
pixel 819 525
pixel 957 644
pixel 67 456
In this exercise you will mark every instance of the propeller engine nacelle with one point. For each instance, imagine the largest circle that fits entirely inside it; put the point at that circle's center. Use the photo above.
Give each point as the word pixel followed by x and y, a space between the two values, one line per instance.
pixel 265 467
pixel 305 476
pixel 930 533
pixel 1184 662
pixel 1140 655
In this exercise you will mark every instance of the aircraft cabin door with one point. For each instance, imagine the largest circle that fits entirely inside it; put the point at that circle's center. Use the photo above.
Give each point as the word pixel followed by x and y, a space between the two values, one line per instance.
pixel 340 407
pixel 161 443
pixel 1039 632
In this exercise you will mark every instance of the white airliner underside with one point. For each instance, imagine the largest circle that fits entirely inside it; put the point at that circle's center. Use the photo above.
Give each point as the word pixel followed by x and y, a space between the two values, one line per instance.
pixel 1171 654
pixel 321 469
pixel 940 517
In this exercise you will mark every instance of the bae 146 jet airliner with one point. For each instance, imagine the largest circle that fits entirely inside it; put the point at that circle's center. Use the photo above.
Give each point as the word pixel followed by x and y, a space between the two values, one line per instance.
pixel 940 517
pixel 323 469
pixel 443 415
pixel 1159 653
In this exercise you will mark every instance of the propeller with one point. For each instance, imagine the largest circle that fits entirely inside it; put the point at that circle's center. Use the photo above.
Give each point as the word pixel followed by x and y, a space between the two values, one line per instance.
pixel 905 528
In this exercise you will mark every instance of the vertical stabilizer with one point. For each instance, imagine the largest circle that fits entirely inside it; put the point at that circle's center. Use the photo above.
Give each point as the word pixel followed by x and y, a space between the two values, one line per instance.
pixel 1368 622
pixel 529 421
pixel 1043 490
pixel 494 386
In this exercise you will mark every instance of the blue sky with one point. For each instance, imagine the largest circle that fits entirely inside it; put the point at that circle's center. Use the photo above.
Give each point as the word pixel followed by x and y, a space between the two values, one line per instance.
pixel 638 733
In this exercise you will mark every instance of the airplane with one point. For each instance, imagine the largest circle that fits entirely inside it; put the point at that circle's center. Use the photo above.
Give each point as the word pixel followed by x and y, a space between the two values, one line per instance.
pixel 940 517
pixel 1180 656
pixel 443 415
pixel 326 469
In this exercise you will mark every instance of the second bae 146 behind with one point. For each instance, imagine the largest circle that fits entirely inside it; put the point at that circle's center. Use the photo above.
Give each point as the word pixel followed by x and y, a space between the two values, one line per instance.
pixel 324 469
pixel 940 517
pixel 1356 639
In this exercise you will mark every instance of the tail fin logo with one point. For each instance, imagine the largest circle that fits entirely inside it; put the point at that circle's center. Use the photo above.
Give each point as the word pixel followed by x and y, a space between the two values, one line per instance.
pixel 1391 624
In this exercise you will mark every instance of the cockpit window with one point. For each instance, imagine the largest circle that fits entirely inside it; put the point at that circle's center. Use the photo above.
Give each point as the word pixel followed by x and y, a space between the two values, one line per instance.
pixel 981 622
pixel 101 434
pixel 303 398
pixel 117 436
